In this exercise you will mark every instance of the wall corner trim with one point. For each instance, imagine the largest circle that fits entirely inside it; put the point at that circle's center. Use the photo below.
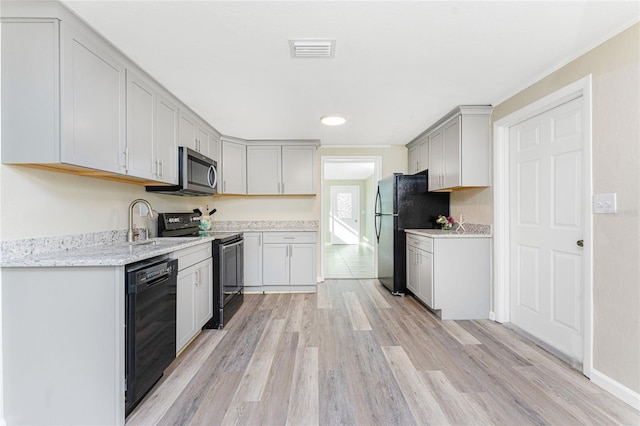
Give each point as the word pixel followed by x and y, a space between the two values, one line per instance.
pixel 615 388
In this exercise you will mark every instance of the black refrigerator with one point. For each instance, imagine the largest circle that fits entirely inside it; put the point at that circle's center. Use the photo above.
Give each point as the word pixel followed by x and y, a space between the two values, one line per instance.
pixel 403 202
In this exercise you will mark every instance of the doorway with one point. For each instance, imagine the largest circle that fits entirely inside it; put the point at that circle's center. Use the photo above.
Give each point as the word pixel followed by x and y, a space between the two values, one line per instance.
pixel 344 215
pixel 348 198
pixel 542 250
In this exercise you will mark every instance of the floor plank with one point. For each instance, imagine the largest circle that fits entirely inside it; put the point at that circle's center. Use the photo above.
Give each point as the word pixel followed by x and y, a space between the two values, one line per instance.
pixel 353 354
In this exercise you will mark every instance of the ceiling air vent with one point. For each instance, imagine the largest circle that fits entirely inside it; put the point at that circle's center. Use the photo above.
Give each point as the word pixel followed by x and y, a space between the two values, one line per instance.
pixel 312 48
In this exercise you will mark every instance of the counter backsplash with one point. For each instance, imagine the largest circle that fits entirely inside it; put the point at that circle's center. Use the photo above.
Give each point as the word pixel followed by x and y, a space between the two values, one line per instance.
pixel 265 225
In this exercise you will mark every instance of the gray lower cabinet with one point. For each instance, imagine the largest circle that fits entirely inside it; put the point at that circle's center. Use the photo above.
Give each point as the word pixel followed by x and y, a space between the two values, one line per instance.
pixel 451 275
pixel 194 299
pixel 252 260
pixel 63 341
pixel 280 261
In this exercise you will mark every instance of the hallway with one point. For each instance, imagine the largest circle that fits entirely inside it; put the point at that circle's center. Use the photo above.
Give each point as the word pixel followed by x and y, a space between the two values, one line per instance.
pixel 348 261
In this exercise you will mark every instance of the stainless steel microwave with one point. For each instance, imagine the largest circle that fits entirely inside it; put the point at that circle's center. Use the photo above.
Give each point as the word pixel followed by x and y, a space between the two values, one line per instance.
pixel 197 175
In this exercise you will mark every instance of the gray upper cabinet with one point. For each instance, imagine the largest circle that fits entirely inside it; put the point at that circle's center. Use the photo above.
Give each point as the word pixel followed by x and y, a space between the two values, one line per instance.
pixel 151 150
pixel 93 103
pixel 80 122
pixel 298 169
pixel 234 168
pixel 141 158
pixel 264 169
pixel 194 133
pixel 459 149
pixel 72 102
pixel 166 139
pixel 418 155
pixel 280 169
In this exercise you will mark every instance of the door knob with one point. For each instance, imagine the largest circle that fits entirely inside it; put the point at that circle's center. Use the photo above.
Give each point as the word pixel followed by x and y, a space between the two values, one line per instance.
pixel 580 243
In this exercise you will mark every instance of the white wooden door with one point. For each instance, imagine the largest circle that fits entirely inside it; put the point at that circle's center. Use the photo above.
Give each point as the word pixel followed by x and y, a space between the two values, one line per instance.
pixel 546 262
pixel 344 215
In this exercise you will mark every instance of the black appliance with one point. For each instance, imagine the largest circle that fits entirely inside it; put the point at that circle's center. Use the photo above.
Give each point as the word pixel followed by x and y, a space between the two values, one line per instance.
pixel 150 325
pixel 197 175
pixel 228 263
pixel 402 202
pixel 228 278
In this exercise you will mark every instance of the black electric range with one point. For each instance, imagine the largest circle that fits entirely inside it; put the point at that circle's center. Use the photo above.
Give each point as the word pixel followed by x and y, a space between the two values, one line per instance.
pixel 228 263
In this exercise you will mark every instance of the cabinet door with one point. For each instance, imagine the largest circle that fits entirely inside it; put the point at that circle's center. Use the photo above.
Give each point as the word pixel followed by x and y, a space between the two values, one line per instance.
pixel 451 135
pixel 185 315
pixel 203 297
pixel 425 274
pixel 141 156
pixel 412 272
pixel 298 170
pixel 93 104
pixel 413 160
pixel 252 259
pixel 436 160
pixel 423 156
pixel 166 135
pixel 202 140
pixel 302 264
pixel 214 145
pixel 275 261
pixel 233 165
pixel 264 170
pixel 187 130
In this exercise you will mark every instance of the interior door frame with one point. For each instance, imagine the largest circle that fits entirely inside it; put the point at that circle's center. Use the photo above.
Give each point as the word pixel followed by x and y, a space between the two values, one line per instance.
pixel 377 173
pixel 501 216
pixel 357 213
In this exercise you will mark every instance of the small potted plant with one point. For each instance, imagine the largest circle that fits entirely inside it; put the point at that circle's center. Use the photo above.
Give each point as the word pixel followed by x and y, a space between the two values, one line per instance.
pixel 446 223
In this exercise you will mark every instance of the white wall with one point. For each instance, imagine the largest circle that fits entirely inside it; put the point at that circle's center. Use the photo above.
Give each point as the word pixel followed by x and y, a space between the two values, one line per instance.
pixel 37 203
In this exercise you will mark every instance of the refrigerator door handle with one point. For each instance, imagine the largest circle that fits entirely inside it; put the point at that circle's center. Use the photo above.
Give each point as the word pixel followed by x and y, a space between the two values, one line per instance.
pixel 378 212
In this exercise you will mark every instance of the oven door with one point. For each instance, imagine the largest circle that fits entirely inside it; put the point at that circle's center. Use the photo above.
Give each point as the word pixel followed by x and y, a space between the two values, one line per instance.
pixel 232 270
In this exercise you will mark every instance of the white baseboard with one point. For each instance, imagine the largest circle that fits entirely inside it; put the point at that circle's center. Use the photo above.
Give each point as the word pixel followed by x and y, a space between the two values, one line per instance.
pixel 618 390
pixel 492 315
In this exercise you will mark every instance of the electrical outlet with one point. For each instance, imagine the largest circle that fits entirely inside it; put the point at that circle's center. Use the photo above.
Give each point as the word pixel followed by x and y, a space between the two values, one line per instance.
pixel 604 204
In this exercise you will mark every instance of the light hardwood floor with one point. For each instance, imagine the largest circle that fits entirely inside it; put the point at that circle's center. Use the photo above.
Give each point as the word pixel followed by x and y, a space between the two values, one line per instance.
pixel 352 354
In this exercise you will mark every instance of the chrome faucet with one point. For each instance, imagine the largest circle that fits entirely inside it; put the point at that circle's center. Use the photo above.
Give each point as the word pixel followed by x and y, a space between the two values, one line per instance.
pixel 130 231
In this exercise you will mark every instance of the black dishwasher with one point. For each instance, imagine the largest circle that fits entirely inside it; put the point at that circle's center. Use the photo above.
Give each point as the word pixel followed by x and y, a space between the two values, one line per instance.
pixel 150 325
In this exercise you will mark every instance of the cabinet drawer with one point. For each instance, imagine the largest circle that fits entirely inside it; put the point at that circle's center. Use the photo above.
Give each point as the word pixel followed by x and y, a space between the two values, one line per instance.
pixel 423 243
pixel 192 255
pixel 288 237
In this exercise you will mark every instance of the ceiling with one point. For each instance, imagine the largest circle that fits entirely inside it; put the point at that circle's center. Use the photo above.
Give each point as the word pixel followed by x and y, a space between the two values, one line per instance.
pixel 398 66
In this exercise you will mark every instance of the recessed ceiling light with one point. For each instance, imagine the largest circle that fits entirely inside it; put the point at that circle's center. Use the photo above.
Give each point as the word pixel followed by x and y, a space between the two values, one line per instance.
pixel 333 120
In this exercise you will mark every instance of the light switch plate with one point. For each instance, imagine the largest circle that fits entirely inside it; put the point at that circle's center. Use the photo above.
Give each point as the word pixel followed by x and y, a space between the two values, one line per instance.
pixel 604 203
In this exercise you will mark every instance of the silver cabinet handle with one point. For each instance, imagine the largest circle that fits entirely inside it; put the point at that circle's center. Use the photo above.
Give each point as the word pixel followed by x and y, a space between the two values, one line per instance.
pixel 259 240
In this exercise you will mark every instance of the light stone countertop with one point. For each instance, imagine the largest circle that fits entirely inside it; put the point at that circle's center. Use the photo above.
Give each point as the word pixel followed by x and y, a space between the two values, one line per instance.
pixel 110 249
pixel 117 254
pixel 471 231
